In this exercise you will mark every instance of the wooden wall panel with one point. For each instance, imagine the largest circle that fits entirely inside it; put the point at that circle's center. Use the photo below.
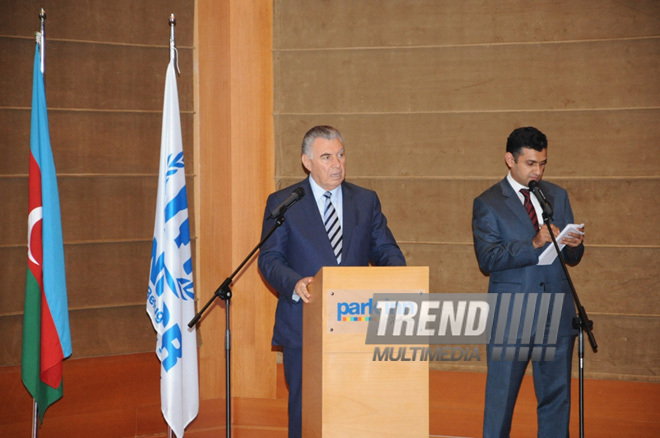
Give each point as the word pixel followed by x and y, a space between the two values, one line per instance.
pixel 119 21
pixel 252 133
pixel 86 266
pixel 626 326
pixel 13 270
pixel 108 331
pixel 581 143
pixel 99 331
pixel 627 347
pixel 13 195
pixel 98 76
pixel 620 280
pixel 454 270
pixel 235 128
pixel 213 137
pixel 608 207
pixel 425 94
pixel 576 75
pixel 13 326
pixel 603 205
pixel 397 23
pixel 93 208
pixel 440 210
pixel 91 142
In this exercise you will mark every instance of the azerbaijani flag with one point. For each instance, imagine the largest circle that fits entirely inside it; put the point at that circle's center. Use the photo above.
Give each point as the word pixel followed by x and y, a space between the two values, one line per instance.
pixel 46 336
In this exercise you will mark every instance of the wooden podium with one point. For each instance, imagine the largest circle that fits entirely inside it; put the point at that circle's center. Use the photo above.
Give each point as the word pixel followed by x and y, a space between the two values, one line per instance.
pixel 346 393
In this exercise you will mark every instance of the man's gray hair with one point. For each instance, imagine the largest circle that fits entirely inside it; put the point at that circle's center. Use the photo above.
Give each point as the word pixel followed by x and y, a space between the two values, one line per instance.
pixel 322 131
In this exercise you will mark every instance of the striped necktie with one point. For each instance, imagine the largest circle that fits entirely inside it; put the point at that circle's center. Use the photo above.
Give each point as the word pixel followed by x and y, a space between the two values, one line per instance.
pixel 332 226
pixel 530 208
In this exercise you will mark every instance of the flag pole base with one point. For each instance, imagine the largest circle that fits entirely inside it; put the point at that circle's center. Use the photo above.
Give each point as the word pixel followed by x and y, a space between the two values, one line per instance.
pixel 35 419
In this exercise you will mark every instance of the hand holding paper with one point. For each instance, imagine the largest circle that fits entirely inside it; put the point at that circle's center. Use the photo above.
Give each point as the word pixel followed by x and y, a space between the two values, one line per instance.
pixel 549 254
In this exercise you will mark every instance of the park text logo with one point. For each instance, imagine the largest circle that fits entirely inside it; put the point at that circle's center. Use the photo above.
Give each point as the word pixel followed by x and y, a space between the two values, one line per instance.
pixel 513 326
pixel 354 311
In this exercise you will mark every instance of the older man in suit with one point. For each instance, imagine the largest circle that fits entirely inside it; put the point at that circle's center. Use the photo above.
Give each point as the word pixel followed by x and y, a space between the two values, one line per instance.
pixel 509 235
pixel 335 223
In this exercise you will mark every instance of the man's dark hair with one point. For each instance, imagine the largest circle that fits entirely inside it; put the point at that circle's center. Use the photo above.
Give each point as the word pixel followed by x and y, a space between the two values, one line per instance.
pixel 528 137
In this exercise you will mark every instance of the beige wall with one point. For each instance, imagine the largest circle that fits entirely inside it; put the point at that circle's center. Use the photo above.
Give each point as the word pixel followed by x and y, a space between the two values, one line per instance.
pixel 425 94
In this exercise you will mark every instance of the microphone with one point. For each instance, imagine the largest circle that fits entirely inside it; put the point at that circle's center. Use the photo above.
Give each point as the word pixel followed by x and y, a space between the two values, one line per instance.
pixel 545 204
pixel 288 202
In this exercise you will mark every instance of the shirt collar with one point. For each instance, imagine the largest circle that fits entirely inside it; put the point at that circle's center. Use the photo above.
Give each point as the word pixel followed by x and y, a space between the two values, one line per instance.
pixel 515 184
pixel 318 191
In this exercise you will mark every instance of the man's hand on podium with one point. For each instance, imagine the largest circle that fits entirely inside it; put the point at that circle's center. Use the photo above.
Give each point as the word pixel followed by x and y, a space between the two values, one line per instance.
pixel 301 289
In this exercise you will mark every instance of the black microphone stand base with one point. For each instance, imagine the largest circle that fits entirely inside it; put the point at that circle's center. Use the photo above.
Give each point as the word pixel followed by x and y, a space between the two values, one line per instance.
pixel 581 322
pixel 578 324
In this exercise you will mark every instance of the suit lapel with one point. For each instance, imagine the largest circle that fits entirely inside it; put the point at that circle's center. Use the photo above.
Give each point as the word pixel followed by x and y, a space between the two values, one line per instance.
pixel 349 220
pixel 515 206
pixel 310 210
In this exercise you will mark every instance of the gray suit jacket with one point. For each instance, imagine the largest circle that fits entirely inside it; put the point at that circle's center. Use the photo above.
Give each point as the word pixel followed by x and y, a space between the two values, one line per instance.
pixel 503 234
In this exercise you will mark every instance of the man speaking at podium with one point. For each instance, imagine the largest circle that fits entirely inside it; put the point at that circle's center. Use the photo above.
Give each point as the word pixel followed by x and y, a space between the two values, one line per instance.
pixel 509 236
pixel 333 223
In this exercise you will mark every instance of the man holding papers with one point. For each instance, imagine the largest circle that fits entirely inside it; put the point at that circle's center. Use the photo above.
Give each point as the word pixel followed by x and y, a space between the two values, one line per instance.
pixel 509 236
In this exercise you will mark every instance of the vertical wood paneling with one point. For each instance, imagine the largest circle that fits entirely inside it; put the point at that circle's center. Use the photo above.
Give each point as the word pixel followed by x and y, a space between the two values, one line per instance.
pixel 235 169
pixel 252 164
pixel 213 145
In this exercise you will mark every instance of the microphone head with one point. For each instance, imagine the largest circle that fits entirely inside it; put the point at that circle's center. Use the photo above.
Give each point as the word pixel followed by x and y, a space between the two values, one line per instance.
pixel 533 184
pixel 300 192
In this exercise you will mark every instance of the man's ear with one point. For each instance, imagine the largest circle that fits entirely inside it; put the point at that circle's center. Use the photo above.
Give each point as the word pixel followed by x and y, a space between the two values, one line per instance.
pixel 509 160
pixel 307 162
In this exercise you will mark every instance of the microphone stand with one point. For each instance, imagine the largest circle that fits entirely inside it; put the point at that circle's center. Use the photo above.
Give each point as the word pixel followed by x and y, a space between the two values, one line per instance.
pixel 224 293
pixel 581 322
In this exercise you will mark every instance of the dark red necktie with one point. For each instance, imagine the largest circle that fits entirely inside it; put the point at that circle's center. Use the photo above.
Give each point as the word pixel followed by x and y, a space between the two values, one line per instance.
pixel 530 208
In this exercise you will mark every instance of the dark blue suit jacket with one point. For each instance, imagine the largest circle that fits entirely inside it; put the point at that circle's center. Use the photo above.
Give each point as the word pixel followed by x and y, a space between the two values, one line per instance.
pixel 300 247
pixel 503 234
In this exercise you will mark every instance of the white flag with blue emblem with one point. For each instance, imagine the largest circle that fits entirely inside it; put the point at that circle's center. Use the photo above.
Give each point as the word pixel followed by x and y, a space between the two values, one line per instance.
pixel 171 298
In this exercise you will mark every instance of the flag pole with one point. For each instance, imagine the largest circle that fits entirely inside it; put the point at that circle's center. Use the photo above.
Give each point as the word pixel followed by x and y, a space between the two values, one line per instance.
pixel 35 424
pixel 47 344
pixel 171 290
pixel 172 56
pixel 41 40
pixel 172 38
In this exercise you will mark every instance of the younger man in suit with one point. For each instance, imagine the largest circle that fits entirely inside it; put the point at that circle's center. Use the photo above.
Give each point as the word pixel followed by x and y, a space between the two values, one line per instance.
pixel 335 223
pixel 509 236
